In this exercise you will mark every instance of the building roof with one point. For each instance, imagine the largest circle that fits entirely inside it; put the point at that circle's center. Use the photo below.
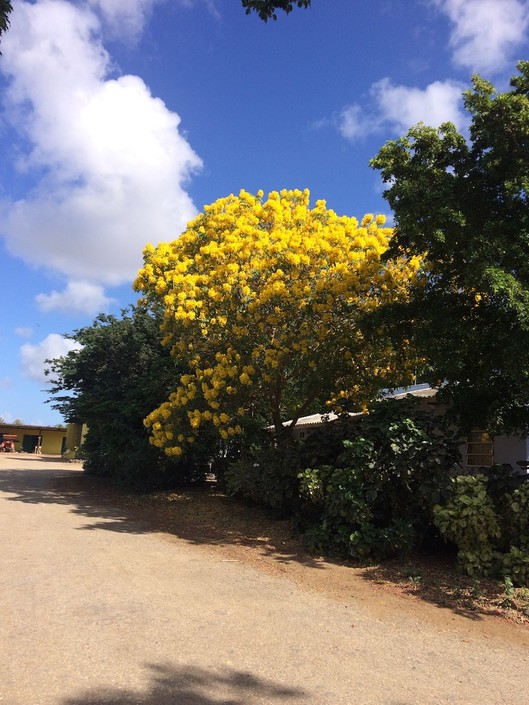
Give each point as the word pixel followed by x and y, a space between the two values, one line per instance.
pixel 30 427
pixel 420 390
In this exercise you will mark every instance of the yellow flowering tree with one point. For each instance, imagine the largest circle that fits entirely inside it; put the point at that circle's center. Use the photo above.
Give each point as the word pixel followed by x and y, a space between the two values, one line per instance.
pixel 263 298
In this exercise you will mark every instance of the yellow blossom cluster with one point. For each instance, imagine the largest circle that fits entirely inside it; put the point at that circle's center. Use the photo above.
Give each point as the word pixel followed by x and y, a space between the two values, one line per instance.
pixel 262 295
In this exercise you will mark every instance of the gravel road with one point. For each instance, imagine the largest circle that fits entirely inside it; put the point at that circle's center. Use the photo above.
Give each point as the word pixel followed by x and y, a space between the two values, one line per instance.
pixel 99 612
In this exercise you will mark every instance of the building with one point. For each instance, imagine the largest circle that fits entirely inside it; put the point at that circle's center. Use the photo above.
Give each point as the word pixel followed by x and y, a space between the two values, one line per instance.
pixel 478 450
pixel 49 440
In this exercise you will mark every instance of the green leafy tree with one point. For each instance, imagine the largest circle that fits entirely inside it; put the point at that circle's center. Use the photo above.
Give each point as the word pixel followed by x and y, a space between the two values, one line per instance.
pixel 111 383
pixel 266 9
pixel 465 204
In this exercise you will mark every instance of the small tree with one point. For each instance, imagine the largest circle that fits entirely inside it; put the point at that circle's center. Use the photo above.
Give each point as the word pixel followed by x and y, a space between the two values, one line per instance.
pixel 263 299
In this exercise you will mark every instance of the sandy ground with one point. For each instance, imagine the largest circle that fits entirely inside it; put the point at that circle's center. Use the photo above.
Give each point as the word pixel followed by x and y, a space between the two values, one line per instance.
pixel 99 607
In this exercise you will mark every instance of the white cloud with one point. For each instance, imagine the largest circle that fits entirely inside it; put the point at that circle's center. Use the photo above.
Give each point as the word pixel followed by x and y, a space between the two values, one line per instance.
pixel 354 123
pixel 404 106
pixel 485 33
pixel 397 108
pixel 34 356
pixel 24 332
pixel 5 383
pixel 77 297
pixel 110 162
pixel 126 17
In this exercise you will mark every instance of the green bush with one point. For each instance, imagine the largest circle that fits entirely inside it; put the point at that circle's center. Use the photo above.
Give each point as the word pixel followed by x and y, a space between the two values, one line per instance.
pixel 468 519
pixel 517 519
pixel 376 499
pixel 515 565
pixel 267 475
pixel 130 461
pixel 489 525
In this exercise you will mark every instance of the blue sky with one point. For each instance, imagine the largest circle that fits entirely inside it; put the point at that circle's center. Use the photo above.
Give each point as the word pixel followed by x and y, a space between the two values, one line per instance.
pixel 120 120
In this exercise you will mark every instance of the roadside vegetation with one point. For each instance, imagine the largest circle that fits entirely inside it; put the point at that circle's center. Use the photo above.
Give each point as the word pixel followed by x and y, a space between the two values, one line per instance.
pixel 267 309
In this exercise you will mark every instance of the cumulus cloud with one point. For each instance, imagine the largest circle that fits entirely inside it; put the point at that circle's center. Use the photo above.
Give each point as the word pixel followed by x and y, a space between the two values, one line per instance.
pixel 77 297
pixel 404 106
pixel 126 18
pixel 33 357
pixel 485 33
pixel 109 160
pixel 397 108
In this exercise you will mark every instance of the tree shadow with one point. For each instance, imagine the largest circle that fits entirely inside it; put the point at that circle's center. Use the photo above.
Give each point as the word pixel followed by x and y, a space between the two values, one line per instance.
pixel 206 516
pixel 171 685
pixel 43 486
pixel 201 516
pixel 438 582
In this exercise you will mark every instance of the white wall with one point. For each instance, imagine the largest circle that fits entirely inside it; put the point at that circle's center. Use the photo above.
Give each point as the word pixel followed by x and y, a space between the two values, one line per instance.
pixel 510 449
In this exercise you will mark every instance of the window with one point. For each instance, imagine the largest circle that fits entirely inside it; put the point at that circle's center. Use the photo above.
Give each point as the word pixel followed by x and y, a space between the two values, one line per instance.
pixel 480 449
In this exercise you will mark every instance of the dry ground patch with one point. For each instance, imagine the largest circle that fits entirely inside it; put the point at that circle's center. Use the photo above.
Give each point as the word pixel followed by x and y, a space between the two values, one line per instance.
pixel 205 517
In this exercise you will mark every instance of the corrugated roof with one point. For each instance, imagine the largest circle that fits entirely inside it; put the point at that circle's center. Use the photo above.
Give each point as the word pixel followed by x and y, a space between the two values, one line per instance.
pixel 423 391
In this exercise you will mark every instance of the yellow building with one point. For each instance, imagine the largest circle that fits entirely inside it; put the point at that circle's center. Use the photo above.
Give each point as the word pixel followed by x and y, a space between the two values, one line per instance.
pixel 75 435
pixel 50 440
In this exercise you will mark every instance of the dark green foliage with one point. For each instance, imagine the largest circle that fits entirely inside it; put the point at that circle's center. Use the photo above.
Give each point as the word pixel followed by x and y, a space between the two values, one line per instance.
pixel 266 9
pixel 518 516
pixel 118 377
pixel 489 524
pixel 466 204
pixel 376 498
pixel 267 467
pixel 6 8
pixel 515 565
pixel 267 474
pixel 469 520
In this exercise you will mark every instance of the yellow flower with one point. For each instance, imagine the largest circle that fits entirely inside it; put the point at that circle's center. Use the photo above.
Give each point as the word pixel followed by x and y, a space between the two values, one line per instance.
pixel 261 298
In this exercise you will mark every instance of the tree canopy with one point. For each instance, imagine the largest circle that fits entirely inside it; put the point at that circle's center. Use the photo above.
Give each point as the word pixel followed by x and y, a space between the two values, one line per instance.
pixel 5 9
pixel 263 299
pixel 111 383
pixel 465 204
pixel 266 9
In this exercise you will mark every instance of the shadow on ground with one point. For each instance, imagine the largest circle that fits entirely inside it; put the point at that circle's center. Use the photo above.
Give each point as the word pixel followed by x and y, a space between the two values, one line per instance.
pixel 203 516
pixel 193 686
pixel 430 581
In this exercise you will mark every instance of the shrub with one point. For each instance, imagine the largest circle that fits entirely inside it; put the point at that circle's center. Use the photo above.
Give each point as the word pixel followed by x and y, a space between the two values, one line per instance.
pixel 515 565
pixel 490 527
pixel 377 498
pixel 267 475
pixel 133 463
pixel 517 520
pixel 469 520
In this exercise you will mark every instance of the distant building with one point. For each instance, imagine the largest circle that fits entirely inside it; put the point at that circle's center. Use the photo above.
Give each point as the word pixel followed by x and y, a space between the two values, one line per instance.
pixel 49 440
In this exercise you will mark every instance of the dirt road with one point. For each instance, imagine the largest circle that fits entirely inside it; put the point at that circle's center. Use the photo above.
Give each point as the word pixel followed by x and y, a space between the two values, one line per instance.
pixel 98 610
